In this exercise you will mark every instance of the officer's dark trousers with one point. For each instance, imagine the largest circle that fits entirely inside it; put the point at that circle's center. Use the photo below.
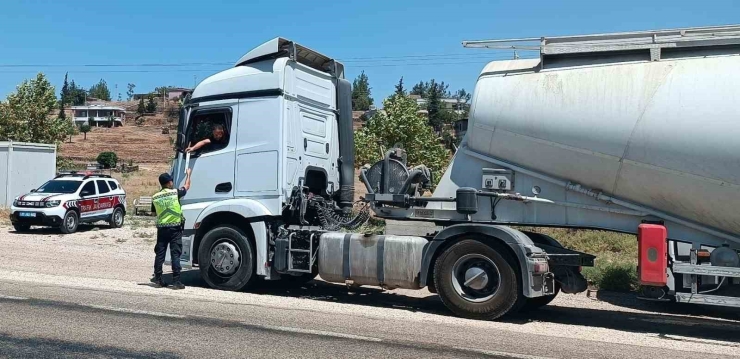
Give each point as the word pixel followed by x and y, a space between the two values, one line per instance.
pixel 172 237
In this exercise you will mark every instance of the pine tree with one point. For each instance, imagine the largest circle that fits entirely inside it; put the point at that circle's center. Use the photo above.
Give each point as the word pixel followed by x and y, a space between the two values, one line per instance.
pixel 434 103
pixel 151 106
pixel 399 88
pixel 361 100
pixel 130 92
pixel 64 98
pixel 141 109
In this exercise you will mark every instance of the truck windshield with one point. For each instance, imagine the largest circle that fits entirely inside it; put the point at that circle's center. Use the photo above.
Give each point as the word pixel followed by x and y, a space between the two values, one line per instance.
pixel 57 186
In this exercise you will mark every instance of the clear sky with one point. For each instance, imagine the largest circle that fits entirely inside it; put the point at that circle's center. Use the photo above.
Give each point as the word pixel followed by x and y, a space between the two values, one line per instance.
pixel 418 40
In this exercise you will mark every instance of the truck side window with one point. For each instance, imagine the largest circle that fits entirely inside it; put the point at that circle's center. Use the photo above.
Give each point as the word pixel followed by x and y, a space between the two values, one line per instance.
pixel 213 125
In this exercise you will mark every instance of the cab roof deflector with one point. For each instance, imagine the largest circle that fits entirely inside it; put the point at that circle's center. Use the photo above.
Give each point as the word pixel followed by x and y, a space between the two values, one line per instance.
pixel 281 47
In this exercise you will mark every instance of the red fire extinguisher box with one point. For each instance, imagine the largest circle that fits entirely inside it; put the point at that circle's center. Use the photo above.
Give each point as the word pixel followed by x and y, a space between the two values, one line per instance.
pixel 652 254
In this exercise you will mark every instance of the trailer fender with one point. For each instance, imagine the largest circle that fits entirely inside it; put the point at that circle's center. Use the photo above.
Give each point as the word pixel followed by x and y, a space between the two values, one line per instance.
pixel 520 244
pixel 245 213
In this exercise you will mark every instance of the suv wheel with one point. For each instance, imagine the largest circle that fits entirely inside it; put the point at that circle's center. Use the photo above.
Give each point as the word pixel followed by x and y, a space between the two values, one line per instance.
pixel 70 222
pixel 116 219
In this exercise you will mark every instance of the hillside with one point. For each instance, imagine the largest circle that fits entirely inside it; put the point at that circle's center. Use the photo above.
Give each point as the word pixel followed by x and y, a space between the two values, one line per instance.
pixel 145 144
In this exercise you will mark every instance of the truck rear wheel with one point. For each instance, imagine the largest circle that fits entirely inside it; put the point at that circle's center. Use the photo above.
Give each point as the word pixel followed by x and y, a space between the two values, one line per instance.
pixel 475 281
pixel 226 258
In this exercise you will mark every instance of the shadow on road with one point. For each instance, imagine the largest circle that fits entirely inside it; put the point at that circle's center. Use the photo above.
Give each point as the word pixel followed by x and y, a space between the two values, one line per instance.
pixel 14 347
pixel 715 324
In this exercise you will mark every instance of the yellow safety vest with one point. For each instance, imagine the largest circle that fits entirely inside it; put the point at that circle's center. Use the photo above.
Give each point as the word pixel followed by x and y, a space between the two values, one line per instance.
pixel 167 205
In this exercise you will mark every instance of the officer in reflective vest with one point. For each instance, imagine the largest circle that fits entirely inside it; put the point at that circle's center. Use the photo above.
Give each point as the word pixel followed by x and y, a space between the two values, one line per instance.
pixel 170 222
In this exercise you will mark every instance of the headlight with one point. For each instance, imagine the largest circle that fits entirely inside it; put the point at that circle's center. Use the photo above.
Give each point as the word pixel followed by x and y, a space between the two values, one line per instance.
pixel 52 203
pixel 15 202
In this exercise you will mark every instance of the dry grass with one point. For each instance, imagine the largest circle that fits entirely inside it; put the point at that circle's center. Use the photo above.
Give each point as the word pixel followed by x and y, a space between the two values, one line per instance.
pixel 144 182
pixel 616 255
pixel 4 217
pixel 145 144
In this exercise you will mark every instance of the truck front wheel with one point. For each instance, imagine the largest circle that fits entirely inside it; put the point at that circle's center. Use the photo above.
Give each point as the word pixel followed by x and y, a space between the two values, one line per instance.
pixel 475 281
pixel 226 258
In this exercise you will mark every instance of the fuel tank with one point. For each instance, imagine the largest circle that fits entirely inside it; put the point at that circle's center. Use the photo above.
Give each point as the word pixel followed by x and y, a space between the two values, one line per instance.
pixel 377 260
pixel 663 134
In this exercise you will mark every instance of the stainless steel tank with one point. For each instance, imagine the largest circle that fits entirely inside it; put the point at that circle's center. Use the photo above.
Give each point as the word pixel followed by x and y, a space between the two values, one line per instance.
pixel 662 134
pixel 388 261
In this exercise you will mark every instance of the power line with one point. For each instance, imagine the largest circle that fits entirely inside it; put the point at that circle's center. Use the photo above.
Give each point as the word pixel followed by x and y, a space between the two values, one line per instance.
pixel 428 57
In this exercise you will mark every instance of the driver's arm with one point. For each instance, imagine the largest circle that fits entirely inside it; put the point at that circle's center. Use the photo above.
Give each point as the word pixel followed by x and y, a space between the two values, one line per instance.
pixel 198 145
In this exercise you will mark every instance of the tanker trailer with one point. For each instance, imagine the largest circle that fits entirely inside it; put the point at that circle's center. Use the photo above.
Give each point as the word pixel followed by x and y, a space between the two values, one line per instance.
pixel 629 132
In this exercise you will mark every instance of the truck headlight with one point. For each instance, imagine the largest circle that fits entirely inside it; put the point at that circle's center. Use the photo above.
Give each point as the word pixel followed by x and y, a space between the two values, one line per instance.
pixel 50 204
pixel 15 202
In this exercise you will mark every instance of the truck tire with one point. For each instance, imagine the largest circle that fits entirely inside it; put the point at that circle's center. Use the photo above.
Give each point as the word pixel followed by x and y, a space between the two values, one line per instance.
pixel 227 259
pixel 492 288
pixel 116 218
pixel 70 222
pixel 539 302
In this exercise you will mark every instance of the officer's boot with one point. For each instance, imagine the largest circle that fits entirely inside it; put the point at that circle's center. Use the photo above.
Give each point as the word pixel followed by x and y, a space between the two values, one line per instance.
pixel 176 284
pixel 157 281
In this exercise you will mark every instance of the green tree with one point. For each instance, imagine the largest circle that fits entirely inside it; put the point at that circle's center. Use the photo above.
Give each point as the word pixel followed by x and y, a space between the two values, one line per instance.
pixel 63 98
pixel 85 128
pixel 361 100
pixel 130 92
pixel 463 102
pixel 100 90
pixel 107 159
pixel 24 116
pixel 420 89
pixel 434 105
pixel 399 88
pixel 119 97
pixel 141 108
pixel 77 95
pixel 401 124
pixel 151 106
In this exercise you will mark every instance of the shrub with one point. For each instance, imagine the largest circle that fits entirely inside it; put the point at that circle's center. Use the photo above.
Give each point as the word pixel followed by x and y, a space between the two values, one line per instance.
pixel 108 159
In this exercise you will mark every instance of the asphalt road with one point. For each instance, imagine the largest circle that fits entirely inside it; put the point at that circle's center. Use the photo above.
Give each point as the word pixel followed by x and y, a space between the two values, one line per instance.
pixel 59 299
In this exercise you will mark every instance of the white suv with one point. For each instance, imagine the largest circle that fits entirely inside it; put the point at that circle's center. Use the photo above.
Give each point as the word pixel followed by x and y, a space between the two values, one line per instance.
pixel 68 200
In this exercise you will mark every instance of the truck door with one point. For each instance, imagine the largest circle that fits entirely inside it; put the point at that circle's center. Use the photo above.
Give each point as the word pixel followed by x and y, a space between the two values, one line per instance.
pixel 258 147
pixel 212 164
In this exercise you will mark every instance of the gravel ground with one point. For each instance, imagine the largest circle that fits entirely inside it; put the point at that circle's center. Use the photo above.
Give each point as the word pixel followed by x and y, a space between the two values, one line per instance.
pixel 119 260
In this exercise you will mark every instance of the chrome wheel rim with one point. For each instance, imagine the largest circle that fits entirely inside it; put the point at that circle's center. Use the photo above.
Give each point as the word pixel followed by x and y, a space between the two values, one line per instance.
pixel 475 278
pixel 225 257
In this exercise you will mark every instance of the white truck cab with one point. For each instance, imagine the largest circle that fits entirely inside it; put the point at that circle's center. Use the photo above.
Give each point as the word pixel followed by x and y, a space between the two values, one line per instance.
pixel 279 110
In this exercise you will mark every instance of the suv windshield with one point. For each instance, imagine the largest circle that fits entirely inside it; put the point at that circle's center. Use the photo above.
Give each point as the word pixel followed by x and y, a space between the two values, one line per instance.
pixel 57 186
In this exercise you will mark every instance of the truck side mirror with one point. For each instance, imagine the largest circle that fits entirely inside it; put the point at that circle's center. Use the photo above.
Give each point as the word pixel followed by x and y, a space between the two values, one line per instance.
pixel 33 190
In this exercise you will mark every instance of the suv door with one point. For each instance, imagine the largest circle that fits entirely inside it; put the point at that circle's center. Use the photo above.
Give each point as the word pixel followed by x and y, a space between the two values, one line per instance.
pixel 88 200
pixel 106 201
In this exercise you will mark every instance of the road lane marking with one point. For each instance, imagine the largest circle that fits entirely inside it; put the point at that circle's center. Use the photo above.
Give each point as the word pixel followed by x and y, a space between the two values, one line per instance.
pixel 12 297
pixel 135 311
pixel 318 332
pixel 501 354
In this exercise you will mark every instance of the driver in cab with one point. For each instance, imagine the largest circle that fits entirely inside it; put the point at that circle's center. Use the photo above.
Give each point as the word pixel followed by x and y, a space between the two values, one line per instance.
pixel 216 141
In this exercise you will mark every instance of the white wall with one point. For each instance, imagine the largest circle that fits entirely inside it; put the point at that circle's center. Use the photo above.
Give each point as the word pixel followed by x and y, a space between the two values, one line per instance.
pixel 24 166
